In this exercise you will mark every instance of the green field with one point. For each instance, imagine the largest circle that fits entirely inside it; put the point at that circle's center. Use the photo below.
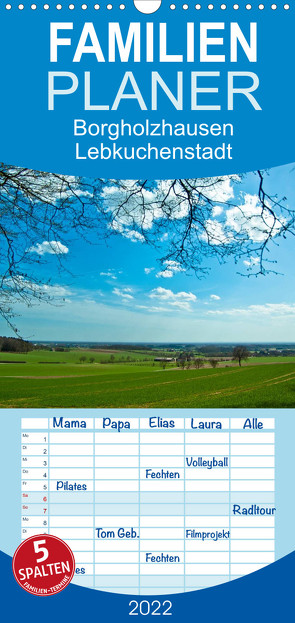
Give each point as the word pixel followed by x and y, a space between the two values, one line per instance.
pixel 63 381
pixel 73 356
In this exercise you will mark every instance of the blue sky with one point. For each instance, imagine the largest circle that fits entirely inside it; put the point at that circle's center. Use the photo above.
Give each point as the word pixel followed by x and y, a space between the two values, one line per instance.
pixel 119 292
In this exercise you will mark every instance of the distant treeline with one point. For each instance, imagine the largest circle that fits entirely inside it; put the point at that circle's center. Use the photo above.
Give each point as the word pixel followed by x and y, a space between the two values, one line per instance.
pixel 215 350
pixel 275 353
pixel 122 347
pixel 14 345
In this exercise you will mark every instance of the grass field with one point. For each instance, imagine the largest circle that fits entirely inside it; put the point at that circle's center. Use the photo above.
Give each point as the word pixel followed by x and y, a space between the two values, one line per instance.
pixel 65 382
pixel 73 356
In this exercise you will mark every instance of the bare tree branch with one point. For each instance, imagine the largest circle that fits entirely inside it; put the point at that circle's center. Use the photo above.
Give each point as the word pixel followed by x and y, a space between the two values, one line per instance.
pixel 189 221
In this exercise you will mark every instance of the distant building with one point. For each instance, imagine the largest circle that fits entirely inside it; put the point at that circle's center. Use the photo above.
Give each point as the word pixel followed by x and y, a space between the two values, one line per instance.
pixel 165 359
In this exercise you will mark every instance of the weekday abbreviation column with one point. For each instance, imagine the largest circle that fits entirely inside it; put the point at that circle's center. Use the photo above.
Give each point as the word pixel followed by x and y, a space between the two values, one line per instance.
pixel 34 477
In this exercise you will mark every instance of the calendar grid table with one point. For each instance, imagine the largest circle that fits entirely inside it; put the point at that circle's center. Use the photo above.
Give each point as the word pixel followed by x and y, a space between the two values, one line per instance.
pixel 152 505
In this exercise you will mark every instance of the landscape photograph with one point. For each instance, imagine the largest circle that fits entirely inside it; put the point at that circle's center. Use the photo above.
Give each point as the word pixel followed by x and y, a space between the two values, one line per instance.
pixel 144 293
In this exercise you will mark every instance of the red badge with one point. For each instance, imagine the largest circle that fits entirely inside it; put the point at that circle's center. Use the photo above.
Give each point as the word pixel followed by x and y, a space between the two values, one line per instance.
pixel 43 565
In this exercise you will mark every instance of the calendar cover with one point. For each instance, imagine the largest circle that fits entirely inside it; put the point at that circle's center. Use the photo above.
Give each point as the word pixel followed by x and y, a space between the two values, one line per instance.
pixel 147 340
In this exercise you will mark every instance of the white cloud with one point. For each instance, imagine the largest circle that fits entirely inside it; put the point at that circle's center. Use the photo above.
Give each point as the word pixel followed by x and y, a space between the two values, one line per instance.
pixel 268 309
pixel 250 221
pixel 134 236
pixel 53 247
pixel 168 295
pixel 215 233
pixel 214 297
pixel 180 300
pixel 247 221
pixel 49 187
pixel 185 305
pixel 166 274
pixel 217 210
pixel 154 308
pixel 253 261
pixel 20 286
pixel 148 270
pixel 219 191
pixel 124 293
pixel 55 290
pixel 109 273
pixel 133 206
pixel 172 267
